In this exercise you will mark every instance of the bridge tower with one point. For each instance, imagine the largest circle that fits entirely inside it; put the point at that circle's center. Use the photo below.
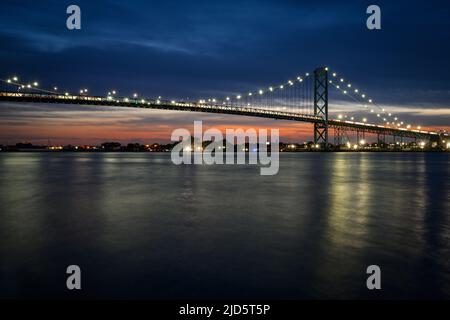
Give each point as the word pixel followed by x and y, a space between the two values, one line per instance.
pixel 321 105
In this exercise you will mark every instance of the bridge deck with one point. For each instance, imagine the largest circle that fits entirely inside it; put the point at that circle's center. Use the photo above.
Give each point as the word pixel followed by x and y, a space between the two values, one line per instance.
pixel 211 108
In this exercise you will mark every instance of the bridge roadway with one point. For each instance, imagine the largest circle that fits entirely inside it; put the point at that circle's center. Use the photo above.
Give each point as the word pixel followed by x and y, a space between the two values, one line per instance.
pixel 213 108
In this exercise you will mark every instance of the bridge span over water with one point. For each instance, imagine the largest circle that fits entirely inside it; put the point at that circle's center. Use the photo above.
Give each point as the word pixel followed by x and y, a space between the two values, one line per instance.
pixel 311 107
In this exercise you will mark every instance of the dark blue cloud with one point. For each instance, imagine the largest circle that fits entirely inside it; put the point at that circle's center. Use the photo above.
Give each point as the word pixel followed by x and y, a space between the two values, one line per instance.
pixel 197 48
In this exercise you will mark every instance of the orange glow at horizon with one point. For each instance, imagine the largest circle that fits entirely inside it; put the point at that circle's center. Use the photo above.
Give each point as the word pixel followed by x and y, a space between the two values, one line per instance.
pixel 41 133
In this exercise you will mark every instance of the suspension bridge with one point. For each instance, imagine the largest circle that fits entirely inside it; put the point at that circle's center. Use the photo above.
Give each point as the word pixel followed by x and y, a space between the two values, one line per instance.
pixel 304 98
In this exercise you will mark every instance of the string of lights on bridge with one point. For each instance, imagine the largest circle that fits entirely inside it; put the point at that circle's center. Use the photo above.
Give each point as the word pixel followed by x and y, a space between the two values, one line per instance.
pixel 343 86
pixel 359 96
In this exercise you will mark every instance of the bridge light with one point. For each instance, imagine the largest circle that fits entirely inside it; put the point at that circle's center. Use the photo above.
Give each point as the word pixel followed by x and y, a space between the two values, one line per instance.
pixel 356 90
pixel 173 102
pixel 238 97
pixel 363 95
pixel 261 92
pixel 370 100
pixel 15 78
pixel 28 85
pixel 307 74
pixel 342 79
pixel 281 87
pixel 114 92
pixel 35 84
pixel 135 95
pixel 345 92
pixel 337 87
pixel 270 89
pixel 9 80
pixel 290 82
pixel 334 74
pixel 55 88
pixel 349 85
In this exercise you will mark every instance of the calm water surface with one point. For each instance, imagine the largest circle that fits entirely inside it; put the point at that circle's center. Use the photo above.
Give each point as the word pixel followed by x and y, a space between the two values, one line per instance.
pixel 141 227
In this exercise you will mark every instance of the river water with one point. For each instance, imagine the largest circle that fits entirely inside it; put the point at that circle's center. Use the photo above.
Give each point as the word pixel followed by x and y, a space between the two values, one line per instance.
pixel 141 227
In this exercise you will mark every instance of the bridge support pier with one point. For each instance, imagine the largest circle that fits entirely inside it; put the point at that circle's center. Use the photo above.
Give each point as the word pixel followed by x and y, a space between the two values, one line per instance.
pixel 321 106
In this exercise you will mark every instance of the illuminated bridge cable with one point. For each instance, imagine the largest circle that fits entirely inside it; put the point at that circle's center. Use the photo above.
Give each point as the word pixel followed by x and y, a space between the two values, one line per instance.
pixel 383 115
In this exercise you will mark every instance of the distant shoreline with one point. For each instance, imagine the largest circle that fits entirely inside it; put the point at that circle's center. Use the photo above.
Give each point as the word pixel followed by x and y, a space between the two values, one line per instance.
pixel 283 147
pixel 297 151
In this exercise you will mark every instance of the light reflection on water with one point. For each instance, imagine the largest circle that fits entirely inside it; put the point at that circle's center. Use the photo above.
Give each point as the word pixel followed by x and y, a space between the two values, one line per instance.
pixel 141 227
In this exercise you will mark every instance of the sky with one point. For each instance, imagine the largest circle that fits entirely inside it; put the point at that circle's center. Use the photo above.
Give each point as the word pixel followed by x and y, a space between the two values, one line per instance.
pixel 201 49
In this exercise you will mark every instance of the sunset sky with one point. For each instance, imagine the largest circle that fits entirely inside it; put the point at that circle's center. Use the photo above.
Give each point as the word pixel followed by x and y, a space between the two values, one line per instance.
pixel 201 49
